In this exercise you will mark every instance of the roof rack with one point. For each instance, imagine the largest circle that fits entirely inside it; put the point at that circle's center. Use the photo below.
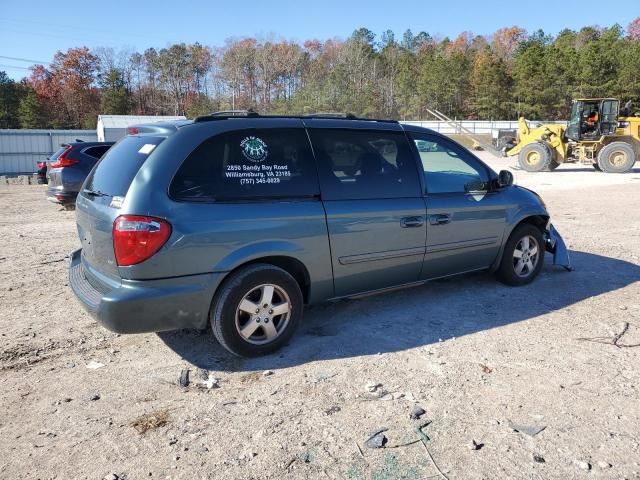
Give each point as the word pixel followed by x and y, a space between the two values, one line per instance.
pixel 223 114
pixel 226 114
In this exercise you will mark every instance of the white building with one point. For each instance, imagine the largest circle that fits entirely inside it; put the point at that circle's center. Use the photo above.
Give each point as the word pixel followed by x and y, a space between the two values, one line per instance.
pixel 112 128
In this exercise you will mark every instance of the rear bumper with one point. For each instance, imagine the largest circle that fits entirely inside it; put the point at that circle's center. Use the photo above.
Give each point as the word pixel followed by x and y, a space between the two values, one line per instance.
pixel 60 196
pixel 137 306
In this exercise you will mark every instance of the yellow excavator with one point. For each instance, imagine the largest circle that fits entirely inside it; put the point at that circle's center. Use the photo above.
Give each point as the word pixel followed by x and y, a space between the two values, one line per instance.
pixel 597 133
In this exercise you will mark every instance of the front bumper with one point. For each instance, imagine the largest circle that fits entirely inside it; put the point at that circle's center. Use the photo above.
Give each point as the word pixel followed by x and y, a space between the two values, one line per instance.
pixel 555 244
pixel 137 306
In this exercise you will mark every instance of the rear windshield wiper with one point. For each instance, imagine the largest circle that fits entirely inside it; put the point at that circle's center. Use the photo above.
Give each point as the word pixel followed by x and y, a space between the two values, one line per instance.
pixel 95 193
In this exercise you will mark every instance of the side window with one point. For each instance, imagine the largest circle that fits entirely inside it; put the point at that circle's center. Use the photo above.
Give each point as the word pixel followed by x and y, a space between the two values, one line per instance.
pixel 448 168
pixel 247 164
pixel 364 164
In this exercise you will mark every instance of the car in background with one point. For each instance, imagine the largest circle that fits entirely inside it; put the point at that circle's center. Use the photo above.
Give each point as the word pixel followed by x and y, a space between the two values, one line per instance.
pixel 41 172
pixel 67 169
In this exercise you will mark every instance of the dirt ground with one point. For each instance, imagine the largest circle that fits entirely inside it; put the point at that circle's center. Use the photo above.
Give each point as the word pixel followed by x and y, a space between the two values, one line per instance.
pixel 488 364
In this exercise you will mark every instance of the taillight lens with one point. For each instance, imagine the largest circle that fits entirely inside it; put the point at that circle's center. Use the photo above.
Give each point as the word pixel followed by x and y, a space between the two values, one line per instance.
pixel 137 238
pixel 63 161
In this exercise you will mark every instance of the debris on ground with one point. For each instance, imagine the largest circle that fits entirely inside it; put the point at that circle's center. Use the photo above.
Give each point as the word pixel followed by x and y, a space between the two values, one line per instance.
pixel 248 455
pixel 624 327
pixel 538 459
pixel 377 439
pixel 582 465
pixel 210 383
pixel 184 378
pixel 473 445
pixel 485 369
pixel 150 421
pixel 372 387
pixel 266 373
pixel 332 410
pixel 416 412
pixel 93 365
pixel 604 465
pixel 113 476
pixel 94 397
pixel 531 430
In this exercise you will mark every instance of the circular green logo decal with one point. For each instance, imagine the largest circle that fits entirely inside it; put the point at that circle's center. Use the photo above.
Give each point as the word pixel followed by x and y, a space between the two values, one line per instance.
pixel 254 149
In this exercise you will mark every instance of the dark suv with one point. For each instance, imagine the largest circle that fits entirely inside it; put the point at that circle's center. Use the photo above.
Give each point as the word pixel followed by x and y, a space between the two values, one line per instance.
pixel 68 168
pixel 240 221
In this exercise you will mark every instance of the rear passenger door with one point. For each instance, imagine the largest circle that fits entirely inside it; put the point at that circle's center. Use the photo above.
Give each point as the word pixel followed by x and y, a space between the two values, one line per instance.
pixel 466 218
pixel 375 211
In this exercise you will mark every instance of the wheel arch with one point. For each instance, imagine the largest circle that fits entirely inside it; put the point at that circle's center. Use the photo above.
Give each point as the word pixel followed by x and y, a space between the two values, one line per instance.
pixel 538 220
pixel 289 264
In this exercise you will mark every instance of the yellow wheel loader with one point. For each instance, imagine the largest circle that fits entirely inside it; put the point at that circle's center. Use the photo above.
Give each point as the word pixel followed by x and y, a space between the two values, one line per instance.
pixel 597 134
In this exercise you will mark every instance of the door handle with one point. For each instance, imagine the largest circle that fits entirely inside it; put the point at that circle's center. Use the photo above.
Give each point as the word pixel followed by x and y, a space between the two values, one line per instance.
pixel 439 219
pixel 411 222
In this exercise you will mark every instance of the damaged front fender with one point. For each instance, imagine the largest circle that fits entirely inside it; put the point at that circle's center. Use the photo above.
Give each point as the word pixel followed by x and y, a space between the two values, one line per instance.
pixel 555 244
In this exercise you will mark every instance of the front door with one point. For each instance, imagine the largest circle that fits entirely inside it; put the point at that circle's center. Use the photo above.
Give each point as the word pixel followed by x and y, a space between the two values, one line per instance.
pixel 374 206
pixel 466 221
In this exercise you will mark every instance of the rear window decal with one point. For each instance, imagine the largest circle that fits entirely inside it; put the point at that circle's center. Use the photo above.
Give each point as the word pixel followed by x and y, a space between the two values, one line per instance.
pixel 254 149
pixel 147 148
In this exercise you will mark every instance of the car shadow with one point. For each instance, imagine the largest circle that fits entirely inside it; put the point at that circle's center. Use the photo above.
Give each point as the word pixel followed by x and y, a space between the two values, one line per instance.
pixel 418 316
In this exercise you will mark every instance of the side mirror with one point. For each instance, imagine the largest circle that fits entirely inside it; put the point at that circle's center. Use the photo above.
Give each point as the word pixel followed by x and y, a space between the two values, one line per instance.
pixel 505 178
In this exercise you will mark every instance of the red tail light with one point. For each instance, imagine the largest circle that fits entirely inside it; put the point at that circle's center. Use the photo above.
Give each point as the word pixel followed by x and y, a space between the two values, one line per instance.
pixel 63 161
pixel 132 131
pixel 137 238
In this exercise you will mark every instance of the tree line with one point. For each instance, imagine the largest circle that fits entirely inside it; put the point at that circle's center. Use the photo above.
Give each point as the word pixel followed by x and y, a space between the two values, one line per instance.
pixel 508 74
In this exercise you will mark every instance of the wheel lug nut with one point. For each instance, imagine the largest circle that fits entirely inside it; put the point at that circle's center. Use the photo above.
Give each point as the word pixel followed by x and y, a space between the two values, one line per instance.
pixel 265 305
pixel 266 320
pixel 257 320
pixel 257 310
pixel 270 312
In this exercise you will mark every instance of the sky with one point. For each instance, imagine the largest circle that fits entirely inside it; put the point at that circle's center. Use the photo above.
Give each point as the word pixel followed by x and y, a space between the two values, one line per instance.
pixel 36 29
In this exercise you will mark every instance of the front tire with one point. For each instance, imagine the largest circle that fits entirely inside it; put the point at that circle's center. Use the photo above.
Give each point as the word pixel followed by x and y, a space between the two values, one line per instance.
pixel 256 310
pixel 537 157
pixel 523 256
pixel 617 157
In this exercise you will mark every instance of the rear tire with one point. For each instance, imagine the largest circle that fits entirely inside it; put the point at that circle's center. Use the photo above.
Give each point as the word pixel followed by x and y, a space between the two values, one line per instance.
pixel 244 313
pixel 617 157
pixel 537 157
pixel 523 256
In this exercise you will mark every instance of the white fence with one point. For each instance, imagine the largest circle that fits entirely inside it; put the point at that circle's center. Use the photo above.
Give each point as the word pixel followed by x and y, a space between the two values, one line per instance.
pixel 21 149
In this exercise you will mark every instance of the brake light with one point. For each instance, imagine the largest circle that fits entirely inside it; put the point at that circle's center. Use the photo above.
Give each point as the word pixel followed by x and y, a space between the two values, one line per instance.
pixel 63 161
pixel 132 131
pixel 137 238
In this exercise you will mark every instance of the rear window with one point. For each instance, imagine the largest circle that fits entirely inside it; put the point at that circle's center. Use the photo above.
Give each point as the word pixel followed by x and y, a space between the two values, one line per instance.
pixel 115 172
pixel 57 154
pixel 248 164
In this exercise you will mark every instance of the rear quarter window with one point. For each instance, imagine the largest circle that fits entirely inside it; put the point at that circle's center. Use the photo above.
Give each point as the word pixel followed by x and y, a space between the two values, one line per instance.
pixel 115 171
pixel 248 164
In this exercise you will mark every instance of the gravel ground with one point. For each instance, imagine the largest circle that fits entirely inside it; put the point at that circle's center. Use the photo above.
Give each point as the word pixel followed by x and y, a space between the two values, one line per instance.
pixel 489 364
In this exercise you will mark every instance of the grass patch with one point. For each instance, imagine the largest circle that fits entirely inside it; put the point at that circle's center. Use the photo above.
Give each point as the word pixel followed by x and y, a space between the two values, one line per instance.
pixel 150 421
